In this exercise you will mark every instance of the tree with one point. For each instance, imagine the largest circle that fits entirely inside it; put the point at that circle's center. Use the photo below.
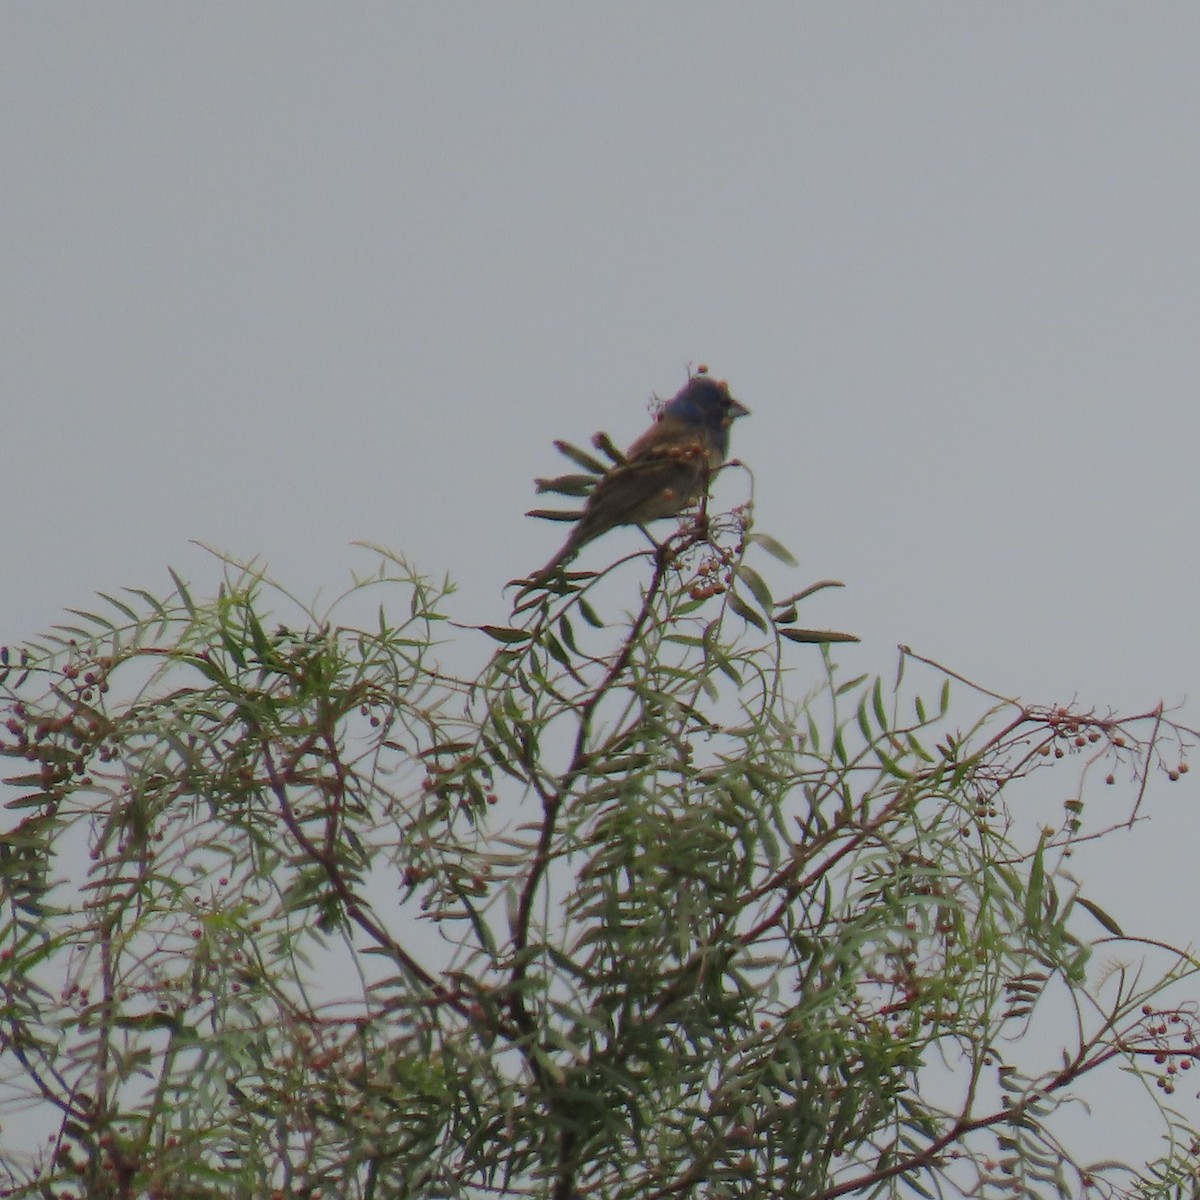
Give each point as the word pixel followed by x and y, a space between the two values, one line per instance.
pixel 296 910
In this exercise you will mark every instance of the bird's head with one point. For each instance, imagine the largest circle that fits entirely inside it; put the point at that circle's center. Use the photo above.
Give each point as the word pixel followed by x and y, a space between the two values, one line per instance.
pixel 706 405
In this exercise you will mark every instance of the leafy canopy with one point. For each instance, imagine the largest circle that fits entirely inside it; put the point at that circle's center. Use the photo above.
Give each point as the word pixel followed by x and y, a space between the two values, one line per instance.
pixel 644 904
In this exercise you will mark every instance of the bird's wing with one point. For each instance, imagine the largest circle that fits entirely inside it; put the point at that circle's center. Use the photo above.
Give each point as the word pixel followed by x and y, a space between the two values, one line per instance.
pixel 656 484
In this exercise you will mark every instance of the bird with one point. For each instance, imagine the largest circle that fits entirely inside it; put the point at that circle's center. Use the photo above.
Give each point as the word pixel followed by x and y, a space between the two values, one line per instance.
pixel 664 471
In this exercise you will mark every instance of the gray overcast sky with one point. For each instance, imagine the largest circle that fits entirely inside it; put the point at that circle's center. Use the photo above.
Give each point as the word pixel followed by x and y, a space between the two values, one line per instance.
pixel 282 276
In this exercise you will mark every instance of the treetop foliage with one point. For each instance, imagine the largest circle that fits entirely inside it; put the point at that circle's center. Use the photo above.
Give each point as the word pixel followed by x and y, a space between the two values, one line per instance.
pixel 650 902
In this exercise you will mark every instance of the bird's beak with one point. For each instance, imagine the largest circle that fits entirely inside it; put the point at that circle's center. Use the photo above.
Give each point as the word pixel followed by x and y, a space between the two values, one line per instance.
pixel 737 409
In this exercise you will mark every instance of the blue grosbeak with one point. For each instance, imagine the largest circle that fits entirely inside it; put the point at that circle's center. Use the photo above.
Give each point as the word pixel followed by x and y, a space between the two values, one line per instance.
pixel 664 471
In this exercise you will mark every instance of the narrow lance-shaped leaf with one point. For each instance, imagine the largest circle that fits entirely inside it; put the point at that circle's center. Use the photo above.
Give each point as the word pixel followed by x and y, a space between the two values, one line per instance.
pixel 580 457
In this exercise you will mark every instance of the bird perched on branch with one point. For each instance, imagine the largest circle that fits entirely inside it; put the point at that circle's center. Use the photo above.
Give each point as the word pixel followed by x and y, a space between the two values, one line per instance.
pixel 664 471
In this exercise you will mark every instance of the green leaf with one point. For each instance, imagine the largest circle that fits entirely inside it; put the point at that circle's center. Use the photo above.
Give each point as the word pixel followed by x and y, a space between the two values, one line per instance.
pixel 31 780
pixel 892 767
pixel 554 514
pixel 849 685
pixel 233 647
pixel 589 614
pixel 124 609
pixel 1036 886
pixel 259 640
pixel 152 602
pixel 567 485
pixel 816 636
pixel 772 547
pixel 863 722
pixel 32 800
pixel 606 445
pixel 911 1183
pixel 581 458
pixel 184 595
pixel 919 750
pixel 757 585
pixel 567 633
pixel 555 649
pixel 147 1020
pixel 204 665
pixel 810 590
pixel 743 610
pixel 839 748
pixel 877 703
pixel 1101 916
pixel 502 633
pixel 94 618
pixel 814 734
